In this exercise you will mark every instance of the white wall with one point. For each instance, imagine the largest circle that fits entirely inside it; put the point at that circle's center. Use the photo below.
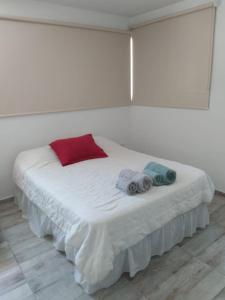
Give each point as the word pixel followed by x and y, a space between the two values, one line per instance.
pixel 172 9
pixel 195 137
pixel 53 12
pixel 21 133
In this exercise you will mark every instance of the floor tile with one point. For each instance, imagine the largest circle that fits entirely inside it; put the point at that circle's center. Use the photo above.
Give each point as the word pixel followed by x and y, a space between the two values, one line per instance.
pixel 5 251
pixel 46 269
pixel 217 202
pixel 63 289
pixel 85 297
pixel 2 238
pixel 10 220
pixel 181 282
pixel 120 284
pixel 30 248
pixel 221 295
pixel 214 255
pixel 126 292
pixel 11 276
pixel 218 216
pixel 7 263
pixel 208 288
pixel 159 270
pixel 17 233
pixel 178 256
pixel 203 239
pixel 22 292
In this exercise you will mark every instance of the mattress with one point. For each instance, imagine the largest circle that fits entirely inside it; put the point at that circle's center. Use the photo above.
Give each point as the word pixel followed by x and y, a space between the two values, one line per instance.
pixel 98 221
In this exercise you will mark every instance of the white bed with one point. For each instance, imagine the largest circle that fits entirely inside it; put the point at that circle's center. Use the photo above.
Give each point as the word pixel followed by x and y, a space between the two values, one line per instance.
pixel 101 229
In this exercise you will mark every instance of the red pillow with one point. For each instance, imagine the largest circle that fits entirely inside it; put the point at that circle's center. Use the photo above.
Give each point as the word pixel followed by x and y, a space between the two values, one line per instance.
pixel 73 150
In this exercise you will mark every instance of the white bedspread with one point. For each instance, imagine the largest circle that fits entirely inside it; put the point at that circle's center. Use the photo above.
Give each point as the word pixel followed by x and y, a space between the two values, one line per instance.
pixel 99 221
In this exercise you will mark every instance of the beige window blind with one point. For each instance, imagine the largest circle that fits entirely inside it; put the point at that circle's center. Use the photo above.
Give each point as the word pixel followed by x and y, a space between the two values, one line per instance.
pixel 173 61
pixel 50 68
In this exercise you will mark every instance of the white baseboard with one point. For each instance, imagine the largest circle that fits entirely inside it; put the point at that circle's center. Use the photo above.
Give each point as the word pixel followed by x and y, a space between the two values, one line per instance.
pixel 6 198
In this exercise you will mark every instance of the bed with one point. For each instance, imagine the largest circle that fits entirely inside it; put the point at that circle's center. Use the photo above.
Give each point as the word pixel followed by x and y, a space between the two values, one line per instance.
pixel 103 231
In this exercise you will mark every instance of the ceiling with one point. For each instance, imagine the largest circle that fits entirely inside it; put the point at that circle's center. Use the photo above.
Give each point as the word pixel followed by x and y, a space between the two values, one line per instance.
pixel 126 8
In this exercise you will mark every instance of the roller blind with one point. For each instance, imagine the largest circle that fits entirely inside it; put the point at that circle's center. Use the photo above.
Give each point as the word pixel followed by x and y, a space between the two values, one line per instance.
pixel 50 68
pixel 173 61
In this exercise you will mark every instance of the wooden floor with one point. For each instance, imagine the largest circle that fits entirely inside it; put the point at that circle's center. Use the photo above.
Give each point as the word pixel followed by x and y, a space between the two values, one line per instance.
pixel 30 268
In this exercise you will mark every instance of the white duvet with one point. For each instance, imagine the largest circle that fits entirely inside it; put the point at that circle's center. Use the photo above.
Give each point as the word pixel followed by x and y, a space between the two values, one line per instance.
pixel 98 220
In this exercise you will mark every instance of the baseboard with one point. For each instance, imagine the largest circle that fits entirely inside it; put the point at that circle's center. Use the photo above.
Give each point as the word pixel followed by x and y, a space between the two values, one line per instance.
pixel 220 193
pixel 9 198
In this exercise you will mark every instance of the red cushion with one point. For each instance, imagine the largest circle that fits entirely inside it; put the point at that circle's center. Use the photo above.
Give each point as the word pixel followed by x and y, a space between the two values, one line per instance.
pixel 73 150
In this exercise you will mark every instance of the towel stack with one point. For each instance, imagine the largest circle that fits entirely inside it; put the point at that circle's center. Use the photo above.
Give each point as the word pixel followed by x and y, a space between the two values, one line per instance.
pixel 132 182
pixel 160 175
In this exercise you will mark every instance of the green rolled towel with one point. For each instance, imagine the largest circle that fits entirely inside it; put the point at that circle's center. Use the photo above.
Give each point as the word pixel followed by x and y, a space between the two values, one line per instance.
pixel 167 176
pixel 156 178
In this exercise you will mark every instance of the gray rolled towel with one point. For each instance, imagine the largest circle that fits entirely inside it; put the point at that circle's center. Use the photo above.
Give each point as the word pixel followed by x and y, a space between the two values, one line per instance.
pixel 128 179
pixel 127 186
pixel 144 182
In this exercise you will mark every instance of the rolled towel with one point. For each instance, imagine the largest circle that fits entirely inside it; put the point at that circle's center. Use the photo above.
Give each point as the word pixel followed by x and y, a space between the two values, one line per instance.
pixel 168 175
pixel 127 185
pixel 144 182
pixel 127 173
pixel 156 178
pixel 127 176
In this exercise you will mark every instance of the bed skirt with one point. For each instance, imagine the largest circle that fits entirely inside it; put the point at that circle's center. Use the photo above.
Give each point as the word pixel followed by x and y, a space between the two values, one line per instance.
pixel 131 260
